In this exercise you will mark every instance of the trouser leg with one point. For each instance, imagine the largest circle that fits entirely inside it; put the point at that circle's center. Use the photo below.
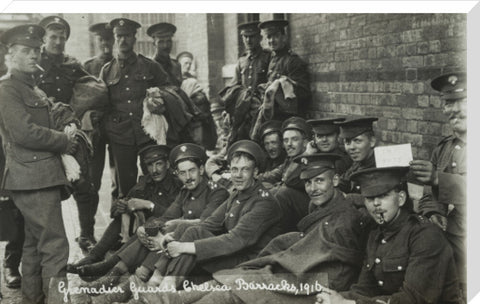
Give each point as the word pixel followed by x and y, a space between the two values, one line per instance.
pixel 134 254
pixel 45 251
pixel 125 166
pixel 109 239
pixel 13 249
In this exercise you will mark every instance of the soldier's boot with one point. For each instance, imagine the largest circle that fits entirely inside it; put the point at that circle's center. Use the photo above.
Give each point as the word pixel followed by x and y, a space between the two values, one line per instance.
pixel 93 271
pixel 89 259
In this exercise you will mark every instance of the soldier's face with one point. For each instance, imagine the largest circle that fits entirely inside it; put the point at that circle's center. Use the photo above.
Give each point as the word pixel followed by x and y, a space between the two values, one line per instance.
pixel 294 142
pixel 185 64
pixel 456 111
pixel 55 40
pixel 320 188
pixel 359 147
pixel 243 171
pixel 105 44
pixel 273 145
pixel 252 42
pixel 190 174
pixel 163 44
pixel 385 208
pixel 158 169
pixel 276 41
pixel 24 58
pixel 125 42
pixel 326 142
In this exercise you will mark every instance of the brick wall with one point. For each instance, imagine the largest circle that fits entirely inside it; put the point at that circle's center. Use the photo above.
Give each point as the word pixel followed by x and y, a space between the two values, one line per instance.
pixel 381 65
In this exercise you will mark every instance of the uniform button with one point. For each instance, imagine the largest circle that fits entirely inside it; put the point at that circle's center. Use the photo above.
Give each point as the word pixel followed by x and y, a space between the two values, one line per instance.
pixel 58 89
pixel 250 76
pixel 383 241
pixel 41 76
pixel 192 198
pixel 357 187
pixel 399 267
pixel 377 261
pixel 160 193
pixel 73 70
pixel 231 214
pixel 368 265
pixel 249 87
pixel 144 77
pixel 237 201
pixel 189 211
pixel 43 81
pixel 302 235
pixel 326 223
pixel 380 283
pixel 454 164
pixel 128 89
pixel 36 104
pixel 457 147
pixel 250 67
pixel 129 101
pixel 126 76
pixel 35 157
pixel 131 114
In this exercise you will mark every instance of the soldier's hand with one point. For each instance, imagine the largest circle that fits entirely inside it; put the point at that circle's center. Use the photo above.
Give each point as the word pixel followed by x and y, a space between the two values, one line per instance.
pixel 177 248
pixel 439 220
pixel 72 146
pixel 156 242
pixel 329 296
pixel 137 204
pixel 424 171
pixel 121 206
pixel 142 236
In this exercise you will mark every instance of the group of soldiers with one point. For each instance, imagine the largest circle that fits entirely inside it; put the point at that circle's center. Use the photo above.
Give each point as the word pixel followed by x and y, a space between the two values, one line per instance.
pixel 283 202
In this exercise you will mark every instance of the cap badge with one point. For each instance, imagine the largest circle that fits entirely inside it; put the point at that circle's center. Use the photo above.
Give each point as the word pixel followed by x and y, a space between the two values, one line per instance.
pixel 56 19
pixel 121 23
pixel 183 148
pixel 31 29
pixel 304 161
pixel 453 80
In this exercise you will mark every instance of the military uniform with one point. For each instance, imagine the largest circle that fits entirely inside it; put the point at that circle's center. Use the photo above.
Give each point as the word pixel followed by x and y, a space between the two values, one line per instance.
pixel 57 81
pixel 285 62
pixel 408 261
pixel 128 80
pixel 251 69
pixel 449 159
pixel 33 171
pixel 188 205
pixel 99 141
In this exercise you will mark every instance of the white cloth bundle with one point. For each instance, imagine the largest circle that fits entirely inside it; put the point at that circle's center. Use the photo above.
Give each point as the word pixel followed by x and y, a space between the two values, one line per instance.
pixel 155 125
pixel 70 164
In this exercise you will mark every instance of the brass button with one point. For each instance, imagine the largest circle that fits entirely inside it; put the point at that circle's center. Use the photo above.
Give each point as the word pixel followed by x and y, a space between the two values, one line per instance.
pixel 454 164
pixel 399 268
pixel 58 89
pixel 126 76
pixel 380 283
pixel 34 157
pixel 457 147
pixel 129 101
pixel 231 214
pixel 377 261
pixel 189 211
pixel 128 89
pixel 383 241
pixel 160 193
pixel 131 114
pixel 57 77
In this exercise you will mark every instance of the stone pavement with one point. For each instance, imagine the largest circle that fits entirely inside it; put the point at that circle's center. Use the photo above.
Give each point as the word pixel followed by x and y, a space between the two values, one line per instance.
pixel 72 227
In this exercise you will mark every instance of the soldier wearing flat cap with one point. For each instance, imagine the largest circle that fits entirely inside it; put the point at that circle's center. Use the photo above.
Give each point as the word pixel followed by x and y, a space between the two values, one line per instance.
pixel 235 232
pixel 286 67
pixel 60 71
pixel 270 137
pixel 447 169
pixel 57 80
pixel 104 41
pixel 151 196
pixel 196 201
pixel 333 227
pixel 33 172
pixel 359 140
pixel 162 34
pixel 407 257
pixel 241 97
pixel 128 76
pixel 326 140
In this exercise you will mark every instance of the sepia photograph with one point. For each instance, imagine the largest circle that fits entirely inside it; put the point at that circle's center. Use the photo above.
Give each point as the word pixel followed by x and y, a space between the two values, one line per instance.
pixel 233 157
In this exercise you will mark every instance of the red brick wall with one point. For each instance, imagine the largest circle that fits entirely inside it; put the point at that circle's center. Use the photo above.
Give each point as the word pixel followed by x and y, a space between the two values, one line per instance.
pixel 381 65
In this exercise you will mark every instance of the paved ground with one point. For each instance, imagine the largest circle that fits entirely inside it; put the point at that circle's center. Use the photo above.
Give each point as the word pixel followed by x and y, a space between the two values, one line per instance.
pixel 70 217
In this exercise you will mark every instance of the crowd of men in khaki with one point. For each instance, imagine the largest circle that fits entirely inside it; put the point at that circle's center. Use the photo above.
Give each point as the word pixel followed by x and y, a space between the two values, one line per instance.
pixel 243 189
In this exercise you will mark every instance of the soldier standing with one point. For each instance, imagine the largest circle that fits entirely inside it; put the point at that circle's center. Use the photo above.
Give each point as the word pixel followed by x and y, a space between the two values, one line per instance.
pixel 285 64
pixel 34 172
pixel 128 76
pixel 60 73
pixel 162 34
pixel 446 171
